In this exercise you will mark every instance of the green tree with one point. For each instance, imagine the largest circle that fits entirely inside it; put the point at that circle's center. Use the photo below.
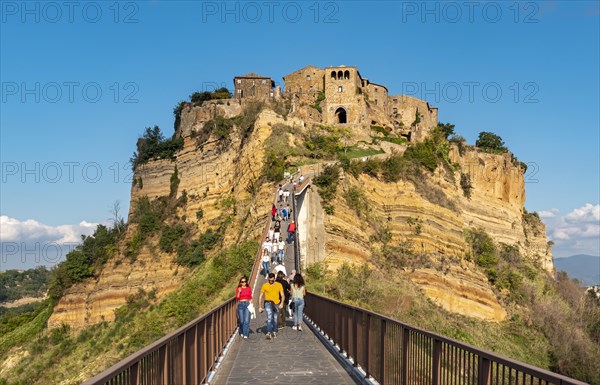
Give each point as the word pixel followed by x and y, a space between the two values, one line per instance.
pixel 490 141
pixel 198 98
pixel 153 145
pixel 446 128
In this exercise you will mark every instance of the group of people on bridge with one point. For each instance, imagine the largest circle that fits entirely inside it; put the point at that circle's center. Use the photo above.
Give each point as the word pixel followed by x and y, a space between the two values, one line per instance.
pixel 282 295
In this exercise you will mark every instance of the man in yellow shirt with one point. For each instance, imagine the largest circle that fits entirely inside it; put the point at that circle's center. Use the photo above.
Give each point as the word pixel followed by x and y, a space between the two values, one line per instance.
pixel 272 291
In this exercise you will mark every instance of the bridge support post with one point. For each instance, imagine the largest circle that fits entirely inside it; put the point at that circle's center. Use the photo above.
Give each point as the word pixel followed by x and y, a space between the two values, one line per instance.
pixel 437 362
pixel 484 372
pixel 405 339
pixel 366 354
pixel 382 351
pixel 134 374
pixel 354 338
pixel 163 359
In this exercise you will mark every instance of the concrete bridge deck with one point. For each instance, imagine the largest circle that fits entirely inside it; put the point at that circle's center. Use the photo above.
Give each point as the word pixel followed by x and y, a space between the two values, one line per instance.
pixel 294 357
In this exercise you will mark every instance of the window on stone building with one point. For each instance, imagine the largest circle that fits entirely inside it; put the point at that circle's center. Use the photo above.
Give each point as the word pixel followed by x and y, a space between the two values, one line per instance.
pixel 395 110
pixel 264 82
pixel 340 74
pixel 239 81
pixel 346 74
pixel 312 88
pixel 395 100
pixel 340 89
pixel 375 101
pixel 375 89
pixel 333 75
pixel 307 77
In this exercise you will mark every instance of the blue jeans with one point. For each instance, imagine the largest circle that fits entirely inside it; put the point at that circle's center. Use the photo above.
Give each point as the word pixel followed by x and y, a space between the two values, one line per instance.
pixel 244 318
pixel 280 256
pixel 266 268
pixel 299 307
pixel 291 237
pixel 272 311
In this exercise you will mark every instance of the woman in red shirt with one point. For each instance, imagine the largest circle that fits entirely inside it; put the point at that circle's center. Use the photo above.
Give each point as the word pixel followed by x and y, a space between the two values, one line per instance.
pixel 243 294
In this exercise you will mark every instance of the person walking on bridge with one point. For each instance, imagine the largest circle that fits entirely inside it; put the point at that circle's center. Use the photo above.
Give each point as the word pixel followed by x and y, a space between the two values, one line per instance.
pixel 291 232
pixel 243 294
pixel 273 212
pixel 287 292
pixel 273 294
pixel 266 262
pixel 298 292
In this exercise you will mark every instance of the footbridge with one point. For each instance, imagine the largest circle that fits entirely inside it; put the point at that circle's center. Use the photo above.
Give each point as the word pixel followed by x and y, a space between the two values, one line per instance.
pixel 340 344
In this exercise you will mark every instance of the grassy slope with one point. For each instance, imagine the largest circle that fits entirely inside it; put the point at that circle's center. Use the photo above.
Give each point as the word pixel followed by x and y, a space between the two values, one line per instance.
pixel 63 357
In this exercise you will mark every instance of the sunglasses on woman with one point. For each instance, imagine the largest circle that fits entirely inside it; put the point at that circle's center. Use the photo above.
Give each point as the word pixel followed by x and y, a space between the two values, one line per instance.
pixel 243 281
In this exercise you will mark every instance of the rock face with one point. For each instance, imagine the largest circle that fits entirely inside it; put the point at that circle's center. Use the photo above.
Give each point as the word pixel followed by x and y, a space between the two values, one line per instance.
pixel 461 291
pixel 433 225
pixel 208 175
pixel 221 180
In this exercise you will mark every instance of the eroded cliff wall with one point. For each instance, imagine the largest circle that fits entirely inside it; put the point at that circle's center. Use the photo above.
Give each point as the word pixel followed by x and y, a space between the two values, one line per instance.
pixel 208 173
pixel 433 226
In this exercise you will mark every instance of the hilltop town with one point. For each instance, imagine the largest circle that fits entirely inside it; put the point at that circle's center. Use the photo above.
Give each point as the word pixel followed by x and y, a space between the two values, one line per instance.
pixel 341 95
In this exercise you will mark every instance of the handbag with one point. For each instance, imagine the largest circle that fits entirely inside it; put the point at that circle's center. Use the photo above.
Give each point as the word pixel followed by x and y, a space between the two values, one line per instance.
pixel 252 310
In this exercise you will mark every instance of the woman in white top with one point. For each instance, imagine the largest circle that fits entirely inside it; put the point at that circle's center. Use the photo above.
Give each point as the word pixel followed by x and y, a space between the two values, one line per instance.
pixel 298 293
pixel 266 261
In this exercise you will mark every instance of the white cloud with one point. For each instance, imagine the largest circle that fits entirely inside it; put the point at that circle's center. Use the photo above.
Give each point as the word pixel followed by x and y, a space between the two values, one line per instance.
pixel 30 230
pixel 586 213
pixel 577 232
pixel 548 214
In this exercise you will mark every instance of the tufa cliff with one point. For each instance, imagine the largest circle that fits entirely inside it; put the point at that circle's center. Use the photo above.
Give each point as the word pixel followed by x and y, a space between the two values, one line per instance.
pixel 218 180
pixel 426 222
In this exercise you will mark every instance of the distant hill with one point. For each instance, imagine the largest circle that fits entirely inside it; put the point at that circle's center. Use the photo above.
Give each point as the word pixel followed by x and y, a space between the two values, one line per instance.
pixel 15 284
pixel 585 268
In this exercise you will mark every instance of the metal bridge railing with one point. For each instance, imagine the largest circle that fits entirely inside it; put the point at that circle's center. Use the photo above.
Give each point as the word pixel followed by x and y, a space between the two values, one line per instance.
pixel 185 356
pixel 395 353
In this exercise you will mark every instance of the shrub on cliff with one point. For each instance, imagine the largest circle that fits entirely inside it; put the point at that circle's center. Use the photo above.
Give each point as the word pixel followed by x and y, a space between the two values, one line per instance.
pixel 197 98
pixel 327 182
pixel 274 167
pixel 85 260
pixel 153 145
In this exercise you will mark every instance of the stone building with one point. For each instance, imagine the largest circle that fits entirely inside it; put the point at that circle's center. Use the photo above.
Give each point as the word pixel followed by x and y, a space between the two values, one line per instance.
pixel 253 86
pixel 342 96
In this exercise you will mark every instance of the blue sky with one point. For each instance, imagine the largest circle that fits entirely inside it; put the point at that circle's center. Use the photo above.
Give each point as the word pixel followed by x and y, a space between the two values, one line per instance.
pixel 81 82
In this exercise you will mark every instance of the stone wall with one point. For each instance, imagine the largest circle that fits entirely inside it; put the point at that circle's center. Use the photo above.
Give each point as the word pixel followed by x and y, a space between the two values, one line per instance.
pixel 403 110
pixel 378 96
pixel 305 84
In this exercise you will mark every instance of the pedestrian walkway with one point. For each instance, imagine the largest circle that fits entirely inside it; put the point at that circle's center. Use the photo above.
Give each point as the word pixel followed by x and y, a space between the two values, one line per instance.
pixel 294 357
